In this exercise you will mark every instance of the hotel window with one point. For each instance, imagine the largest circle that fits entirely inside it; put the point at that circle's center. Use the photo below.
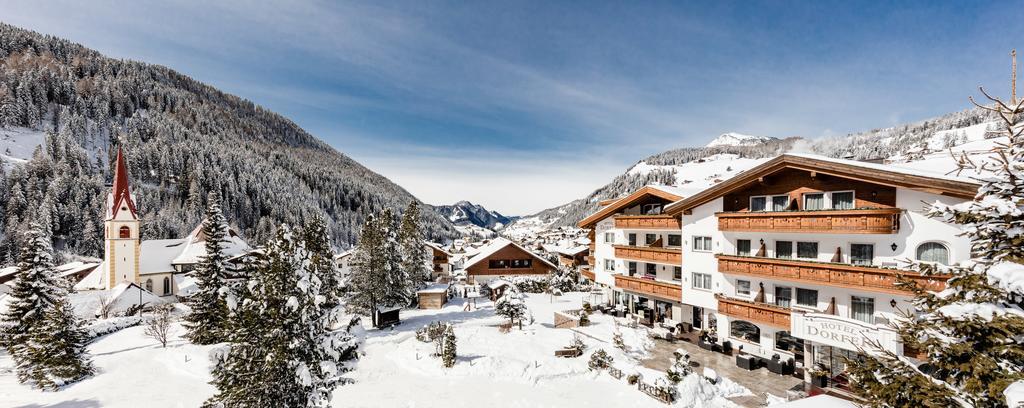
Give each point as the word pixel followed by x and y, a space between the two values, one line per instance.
pixel 675 240
pixel 609 237
pixel 650 270
pixel 743 247
pixel 743 287
pixel 783 296
pixel 933 252
pixel 814 201
pixel 786 342
pixel 784 249
pixel 779 203
pixel 862 254
pixel 806 297
pixel 498 263
pixel 758 203
pixel 702 244
pixel 632 268
pixel 842 200
pixel 769 203
pixel 651 209
pixel 677 273
pixel 863 309
pixel 632 239
pixel 609 265
pixel 522 263
pixel 701 281
pixel 650 238
pixel 744 330
pixel 807 250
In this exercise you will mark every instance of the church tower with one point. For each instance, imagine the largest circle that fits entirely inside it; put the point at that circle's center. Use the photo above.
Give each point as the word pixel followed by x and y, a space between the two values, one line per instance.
pixel 121 232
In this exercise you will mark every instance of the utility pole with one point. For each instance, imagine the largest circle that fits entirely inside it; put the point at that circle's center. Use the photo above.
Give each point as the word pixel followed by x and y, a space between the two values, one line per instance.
pixel 1013 79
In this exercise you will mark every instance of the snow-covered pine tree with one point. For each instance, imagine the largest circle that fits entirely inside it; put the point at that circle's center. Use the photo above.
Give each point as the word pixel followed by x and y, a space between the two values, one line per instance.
pixel 448 352
pixel 208 319
pixel 511 305
pixel 377 278
pixel 282 352
pixel 36 288
pixel 412 246
pixel 972 330
pixel 55 353
pixel 317 244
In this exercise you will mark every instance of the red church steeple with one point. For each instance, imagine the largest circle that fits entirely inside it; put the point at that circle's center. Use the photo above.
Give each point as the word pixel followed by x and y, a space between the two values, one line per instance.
pixel 121 196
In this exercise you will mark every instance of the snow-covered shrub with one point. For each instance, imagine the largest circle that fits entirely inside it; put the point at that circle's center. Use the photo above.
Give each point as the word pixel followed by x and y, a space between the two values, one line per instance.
pixel 634 378
pixel 584 318
pixel 576 343
pixel 617 339
pixel 448 352
pixel 600 360
pixel 103 327
pixel 680 367
pixel 530 284
pixel 431 331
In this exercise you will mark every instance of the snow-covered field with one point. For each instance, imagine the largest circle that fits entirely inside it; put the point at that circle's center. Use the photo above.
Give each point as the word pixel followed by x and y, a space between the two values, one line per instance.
pixel 18 143
pixel 515 369
pixel 132 371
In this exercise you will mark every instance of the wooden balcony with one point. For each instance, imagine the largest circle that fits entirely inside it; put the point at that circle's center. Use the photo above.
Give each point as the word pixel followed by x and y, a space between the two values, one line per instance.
pixel 765 313
pixel 670 256
pixel 830 274
pixel 657 222
pixel 650 287
pixel 863 221
pixel 591 260
pixel 589 274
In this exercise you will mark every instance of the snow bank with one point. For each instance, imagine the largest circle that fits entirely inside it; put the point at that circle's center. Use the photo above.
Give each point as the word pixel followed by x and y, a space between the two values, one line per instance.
pixel 1015 394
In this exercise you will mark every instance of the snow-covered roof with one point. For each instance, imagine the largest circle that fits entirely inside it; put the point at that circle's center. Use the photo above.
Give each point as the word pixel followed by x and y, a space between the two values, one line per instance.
pixel 435 288
pixel 343 254
pixel 893 168
pixel 671 194
pixel 497 283
pixel 157 255
pixel 438 247
pixel 186 284
pixel 94 280
pixel 494 246
pixel 567 251
pixel 195 246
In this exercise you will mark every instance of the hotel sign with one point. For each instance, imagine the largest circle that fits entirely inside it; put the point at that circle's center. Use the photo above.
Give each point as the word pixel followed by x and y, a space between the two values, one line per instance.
pixel 844 333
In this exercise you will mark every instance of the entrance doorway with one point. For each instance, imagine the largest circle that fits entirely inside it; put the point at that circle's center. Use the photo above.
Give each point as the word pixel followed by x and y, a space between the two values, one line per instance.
pixel 698 318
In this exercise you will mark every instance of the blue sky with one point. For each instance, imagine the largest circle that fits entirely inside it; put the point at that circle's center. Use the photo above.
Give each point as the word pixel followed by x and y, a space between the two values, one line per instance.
pixel 522 106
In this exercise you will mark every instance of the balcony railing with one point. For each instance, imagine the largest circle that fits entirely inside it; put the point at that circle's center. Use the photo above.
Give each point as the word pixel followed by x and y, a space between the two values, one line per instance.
pixel 589 274
pixel 591 260
pixel 831 274
pixel 661 222
pixel 862 221
pixel 755 312
pixel 650 287
pixel 672 256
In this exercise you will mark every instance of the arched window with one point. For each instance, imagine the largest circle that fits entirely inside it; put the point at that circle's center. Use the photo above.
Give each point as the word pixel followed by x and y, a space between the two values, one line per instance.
pixel 124 232
pixel 786 342
pixel 167 286
pixel 744 330
pixel 149 285
pixel 933 252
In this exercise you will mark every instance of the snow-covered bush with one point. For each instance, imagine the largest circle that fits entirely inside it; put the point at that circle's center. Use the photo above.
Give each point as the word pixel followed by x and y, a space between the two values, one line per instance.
pixel 576 343
pixel 680 366
pixel 448 352
pixel 600 360
pixel 104 327
pixel 530 284
pixel 431 331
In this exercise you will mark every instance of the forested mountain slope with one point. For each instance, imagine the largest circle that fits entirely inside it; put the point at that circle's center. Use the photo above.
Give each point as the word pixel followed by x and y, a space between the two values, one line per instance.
pixel 183 139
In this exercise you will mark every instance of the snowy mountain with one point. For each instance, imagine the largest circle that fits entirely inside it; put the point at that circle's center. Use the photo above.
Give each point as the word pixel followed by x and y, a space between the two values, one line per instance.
pixel 695 168
pixel 738 139
pixel 183 139
pixel 465 213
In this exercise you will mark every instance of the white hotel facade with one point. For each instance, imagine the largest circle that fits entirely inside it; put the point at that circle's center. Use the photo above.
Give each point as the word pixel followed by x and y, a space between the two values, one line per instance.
pixel 796 259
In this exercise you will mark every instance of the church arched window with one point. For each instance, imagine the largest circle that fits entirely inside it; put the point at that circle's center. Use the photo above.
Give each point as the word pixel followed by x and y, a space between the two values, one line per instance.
pixel 124 232
pixel 149 285
pixel 167 286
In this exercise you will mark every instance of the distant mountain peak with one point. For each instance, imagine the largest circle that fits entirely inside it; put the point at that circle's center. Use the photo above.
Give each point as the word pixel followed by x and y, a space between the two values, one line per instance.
pixel 465 213
pixel 739 139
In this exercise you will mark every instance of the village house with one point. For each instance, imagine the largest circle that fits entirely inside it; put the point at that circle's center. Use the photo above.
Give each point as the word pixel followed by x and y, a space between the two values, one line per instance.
pixel 502 257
